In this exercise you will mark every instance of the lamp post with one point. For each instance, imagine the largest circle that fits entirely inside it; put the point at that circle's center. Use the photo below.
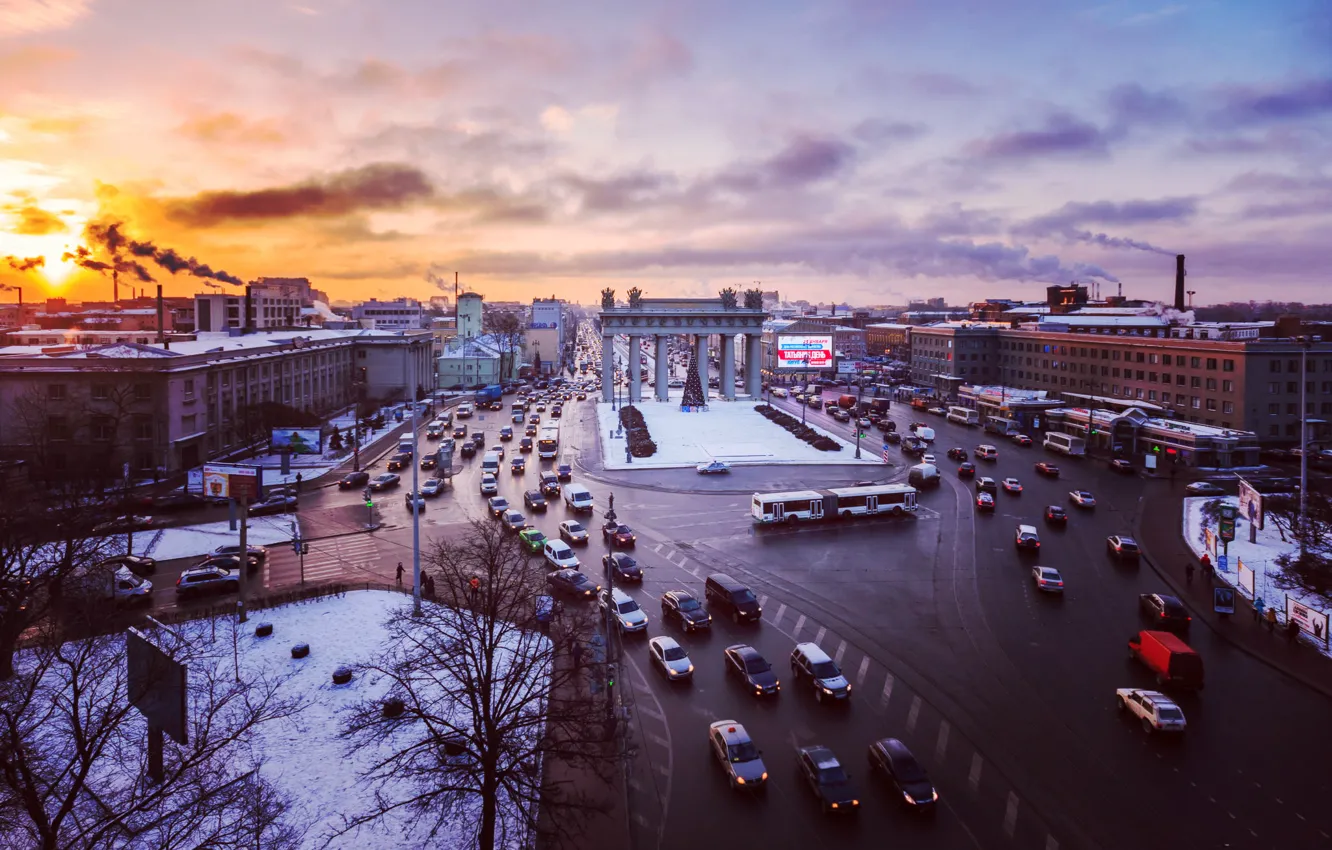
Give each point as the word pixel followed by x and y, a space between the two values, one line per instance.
pixel 860 393
pixel 804 372
pixel 416 494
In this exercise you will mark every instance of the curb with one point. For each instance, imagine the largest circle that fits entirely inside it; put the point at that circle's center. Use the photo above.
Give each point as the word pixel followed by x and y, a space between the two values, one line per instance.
pixel 1213 620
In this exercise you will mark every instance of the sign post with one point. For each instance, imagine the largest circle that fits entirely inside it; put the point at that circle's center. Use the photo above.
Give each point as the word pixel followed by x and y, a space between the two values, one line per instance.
pixel 1226 525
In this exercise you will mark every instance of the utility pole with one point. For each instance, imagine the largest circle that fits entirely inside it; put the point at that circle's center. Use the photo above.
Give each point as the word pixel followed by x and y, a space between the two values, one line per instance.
pixel 416 491
pixel 860 394
pixel 610 624
pixel 1305 342
pixel 243 558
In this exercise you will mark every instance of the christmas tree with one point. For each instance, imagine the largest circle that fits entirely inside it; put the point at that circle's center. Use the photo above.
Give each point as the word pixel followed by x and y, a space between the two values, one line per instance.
pixel 693 390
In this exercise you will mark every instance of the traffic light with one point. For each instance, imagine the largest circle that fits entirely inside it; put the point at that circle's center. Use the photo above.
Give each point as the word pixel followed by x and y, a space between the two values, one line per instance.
pixel 610 675
pixel 369 503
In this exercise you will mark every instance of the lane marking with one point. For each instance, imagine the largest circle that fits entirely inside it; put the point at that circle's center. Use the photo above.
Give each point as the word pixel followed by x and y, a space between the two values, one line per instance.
pixel 973 778
pixel 1010 815
pixel 818 637
pixel 841 651
pixel 1052 844
pixel 941 745
pixel 780 611
pixel 864 668
pixel 763 602
pixel 913 714
pixel 887 693
pixel 651 712
pixel 657 739
pixel 800 624
pixel 657 548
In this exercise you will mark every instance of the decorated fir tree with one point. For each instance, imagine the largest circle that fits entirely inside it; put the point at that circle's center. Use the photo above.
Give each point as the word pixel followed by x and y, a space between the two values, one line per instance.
pixel 693 389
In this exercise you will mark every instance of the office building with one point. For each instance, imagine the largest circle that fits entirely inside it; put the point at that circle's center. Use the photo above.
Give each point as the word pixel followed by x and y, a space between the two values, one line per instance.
pixel 405 314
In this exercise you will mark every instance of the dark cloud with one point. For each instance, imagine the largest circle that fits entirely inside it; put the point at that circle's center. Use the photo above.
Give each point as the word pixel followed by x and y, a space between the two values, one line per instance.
pixel 32 220
pixel 1132 104
pixel 382 186
pixel 1283 196
pixel 121 252
pixel 1062 135
pixel 24 264
pixel 1246 107
pixel 1276 140
pixel 804 160
pixel 621 191
pixel 876 131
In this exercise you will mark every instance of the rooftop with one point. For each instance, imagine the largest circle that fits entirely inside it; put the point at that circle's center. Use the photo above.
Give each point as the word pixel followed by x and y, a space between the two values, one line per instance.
pixel 1136 321
pixel 204 343
pixel 1012 393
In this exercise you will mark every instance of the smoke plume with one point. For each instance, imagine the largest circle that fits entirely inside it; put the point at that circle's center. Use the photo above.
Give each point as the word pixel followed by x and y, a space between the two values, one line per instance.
pixel 441 283
pixel 118 245
pixel 1108 241
pixel 24 264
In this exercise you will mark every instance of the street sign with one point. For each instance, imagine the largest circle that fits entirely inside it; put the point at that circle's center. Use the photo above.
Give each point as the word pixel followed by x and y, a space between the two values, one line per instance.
pixel 885 457
pixel 1222 562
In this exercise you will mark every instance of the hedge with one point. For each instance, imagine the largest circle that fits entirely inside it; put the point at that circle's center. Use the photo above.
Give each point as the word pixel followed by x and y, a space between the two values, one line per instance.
pixel 798 429
pixel 640 441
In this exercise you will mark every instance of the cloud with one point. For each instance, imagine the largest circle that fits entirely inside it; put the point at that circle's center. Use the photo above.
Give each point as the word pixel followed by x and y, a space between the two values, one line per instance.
pixel 32 220
pixel 557 119
pixel 1153 16
pixel 1062 135
pixel 876 131
pixel 630 189
pixel 1244 107
pixel 382 186
pixel 1173 209
pixel 231 129
pixel 805 159
pixel 25 17
pixel 561 121
pixel 1283 195
pixel 939 84
pixel 1293 141
pixel 31 58
pixel 1133 104
pixel 656 55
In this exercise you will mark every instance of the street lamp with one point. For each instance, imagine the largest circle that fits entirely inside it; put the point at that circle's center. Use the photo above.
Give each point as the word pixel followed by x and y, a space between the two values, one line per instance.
pixel 860 393
pixel 804 372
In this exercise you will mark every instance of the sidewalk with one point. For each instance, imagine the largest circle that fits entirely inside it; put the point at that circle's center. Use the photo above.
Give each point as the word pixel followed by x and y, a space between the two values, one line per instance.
pixel 1165 550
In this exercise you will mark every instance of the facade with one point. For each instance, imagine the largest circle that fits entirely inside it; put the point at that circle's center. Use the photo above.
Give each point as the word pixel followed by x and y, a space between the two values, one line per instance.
pixel 402 315
pixel 163 410
pixel 469 315
pixel 477 362
pixel 888 339
pixel 269 308
pixel 946 355
pixel 545 335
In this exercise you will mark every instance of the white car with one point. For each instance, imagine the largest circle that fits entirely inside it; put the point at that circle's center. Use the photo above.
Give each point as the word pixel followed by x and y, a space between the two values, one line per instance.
pixel 712 468
pixel 1156 711
pixel 560 556
pixel 1203 488
pixel 671 658
pixel 927 458
pixel 628 615
pixel 572 531
pixel 432 487
pixel 778 392
pixel 675 384
pixel 1047 579
pixel 1082 499
pixel 489 485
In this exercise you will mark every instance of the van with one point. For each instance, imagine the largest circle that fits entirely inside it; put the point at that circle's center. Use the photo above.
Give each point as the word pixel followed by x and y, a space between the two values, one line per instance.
pixel 926 434
pixel 846 402
pixel 1171 659
pixel 407 447
pixel 731 596
pixel 810 663
pixel 434 430
pixel 578 498
pixel 923 475
pixel 560 555
pixel 490 463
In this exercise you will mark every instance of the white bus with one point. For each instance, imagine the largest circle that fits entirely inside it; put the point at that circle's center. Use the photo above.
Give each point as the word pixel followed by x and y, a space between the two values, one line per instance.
pixel 833 503
pixel 548 442
pixel 1001 426
pixel 1065 444
pixel 963 416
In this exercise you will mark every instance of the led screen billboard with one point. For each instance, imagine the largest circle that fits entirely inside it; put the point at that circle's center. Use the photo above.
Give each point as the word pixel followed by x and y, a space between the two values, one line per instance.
pixel 804 352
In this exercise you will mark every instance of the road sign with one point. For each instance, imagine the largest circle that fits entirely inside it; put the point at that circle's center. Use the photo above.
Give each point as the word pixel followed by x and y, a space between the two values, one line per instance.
pixel 885 457
pixel 1222 562
pixel 1226 525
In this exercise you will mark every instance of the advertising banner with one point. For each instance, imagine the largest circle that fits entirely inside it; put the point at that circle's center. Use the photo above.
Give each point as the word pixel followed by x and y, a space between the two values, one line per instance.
pixel 1226 525
pixel 1209 542
pixel 1223 600
pixel 231 481
pixel 804 352
pixel 1311 621
pixel 1246 578
pixel 1251 504
pixel 298 441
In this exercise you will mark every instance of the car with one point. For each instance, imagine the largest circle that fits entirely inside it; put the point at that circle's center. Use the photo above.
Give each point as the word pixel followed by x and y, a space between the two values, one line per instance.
pixel 274 504
pixel 353 479
pixel 1047 579
pixel 777 392
pixel 1203 488
pixel 1121 548
pixel 560 555
pixel 681 606
pixel 497 505
pixel 1027 538
pixel 714 468
pixel 525 445
pixel 534 500
pixel 748 665
pixel 1056 515
pixel 489 485
pixel 1012 485
pixel 557 411
pixel 986 484
pixel 429 462
pixel 1154 710
pixel 865 422
pixel 414 502
pixel 626 612
pixel 206 579
pixel 140 565
pixel 564 472
pixel 573 532
pixel 1122 466
pixel 541 406
pixel 957 454
pixel 506 433
pixel 571 582
pixel 125 523
pixel 984 501
pixel 825 777
pixel 460 431
pixel 839 414
pixel 517 419
pixel 581 396
pixel 1082 498
pixel 670 658
pixel 892 759
pixel 618 535
pixel 468 449
pixel 985 452
pixel 810 662
pixel 549 483
pixel 385 481
pixel 257 554
pixel 179 500
pixel 518 465
pixel 535 418
pixel 1165 612
pixel 399 461
pixel 734 750
pixel 892 437
pixel 498 450
pixel 927 458
pixel 230 562
pixel 1047 469
pixel 432 487
pixel 938 411
pixel 622 567
pixel 1021 440
pixel 914 425
pixel 967 469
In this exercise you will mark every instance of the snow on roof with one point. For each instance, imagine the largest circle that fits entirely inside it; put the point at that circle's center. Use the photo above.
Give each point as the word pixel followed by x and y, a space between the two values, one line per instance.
pixel 1196 429
pixel 1107 321
pixel 889 326
pixel 1113 311
pixel 206 342
pixel 1028 309
pixel 1009 393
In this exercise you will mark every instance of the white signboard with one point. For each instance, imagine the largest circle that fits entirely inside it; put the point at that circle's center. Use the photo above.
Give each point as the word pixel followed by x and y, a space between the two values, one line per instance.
pixel 1311 621
pixel 804 352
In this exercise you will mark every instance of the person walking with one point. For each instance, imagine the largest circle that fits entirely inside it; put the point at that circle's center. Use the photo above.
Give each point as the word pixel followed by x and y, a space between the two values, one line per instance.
pixel 1292 631
pixel 1258 605
pixel 400 574
pixel 1271 618
pixel 1188 572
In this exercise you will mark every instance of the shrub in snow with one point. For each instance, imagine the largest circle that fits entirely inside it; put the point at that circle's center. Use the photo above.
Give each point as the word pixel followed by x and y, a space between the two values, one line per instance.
pixel 640 442
pixel 342 675
pixel 300 650
pixel 394 707
pixel 263 630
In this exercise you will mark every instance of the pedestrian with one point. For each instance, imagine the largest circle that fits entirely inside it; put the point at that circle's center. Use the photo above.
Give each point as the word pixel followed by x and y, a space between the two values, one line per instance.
pixel 1188 572
pixel 1292 631
pixel 298 482
pixel 1271 619
pixel 577 654
pixel 400 574
pixel 1258 609
pixel 475 587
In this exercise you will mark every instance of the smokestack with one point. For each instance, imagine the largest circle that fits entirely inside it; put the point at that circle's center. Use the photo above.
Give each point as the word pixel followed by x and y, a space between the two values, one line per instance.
pixel 245 320
pixel 1179 282
pixel 161 329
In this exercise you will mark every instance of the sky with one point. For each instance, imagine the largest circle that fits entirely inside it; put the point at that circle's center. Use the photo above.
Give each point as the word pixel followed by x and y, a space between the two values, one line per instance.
pixel 867 151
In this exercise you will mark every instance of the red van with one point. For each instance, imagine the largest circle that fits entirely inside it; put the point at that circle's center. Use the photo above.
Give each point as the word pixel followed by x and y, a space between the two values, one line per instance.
pixel 1171 659
pixel 846 402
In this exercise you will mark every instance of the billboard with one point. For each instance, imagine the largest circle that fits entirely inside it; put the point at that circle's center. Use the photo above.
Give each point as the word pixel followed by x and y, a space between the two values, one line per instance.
pixel 804 352
pixel 156 684
pixel 298 441
pixel 1251 504
pixel 231 481
pixel 1311 621
pixel 545 314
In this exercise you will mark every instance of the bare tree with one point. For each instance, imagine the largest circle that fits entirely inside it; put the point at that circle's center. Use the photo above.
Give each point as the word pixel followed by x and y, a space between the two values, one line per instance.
pixel 1312 573
pixel 73 759
pixel 487 700
pixel 508 333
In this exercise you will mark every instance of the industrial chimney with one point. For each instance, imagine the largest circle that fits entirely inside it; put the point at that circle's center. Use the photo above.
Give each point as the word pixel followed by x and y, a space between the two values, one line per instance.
pixel 161 328
pixel 249 300
pixel 1179 282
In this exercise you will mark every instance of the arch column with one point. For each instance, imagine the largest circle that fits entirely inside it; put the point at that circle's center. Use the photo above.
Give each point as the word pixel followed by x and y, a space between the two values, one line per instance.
pixel 753 379
pixel 607 367
pixel 663 366
pixel 635 368
pixel 728 366
pixel 701 362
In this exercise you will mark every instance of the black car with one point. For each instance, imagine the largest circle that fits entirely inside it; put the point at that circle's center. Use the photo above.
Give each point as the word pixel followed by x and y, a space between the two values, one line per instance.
pixel 231 563
pixel 550 484
pixel 1056 515
pixel 468 449
pixel 892 437
pixel 682 606
pixel 572 583
pixel 957 454
pixel 354 479
pixel 206 579
pixel 1166 612
pixel 525 445
pixel 274 504
pixel 259 553
pixel 460 431
pixel 534 500
pixel 966 469
pixel 894 761
pixel 748 665
pixel 826 777
pixel 401 460
pixel 1122 466
pixel 497 505
pixel 479 439
pixel 140 565
pixel 429 462
pixel 622 567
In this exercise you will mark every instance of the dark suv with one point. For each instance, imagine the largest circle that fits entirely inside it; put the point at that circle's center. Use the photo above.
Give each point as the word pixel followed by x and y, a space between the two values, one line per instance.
pixel 681 605
pixel 202 580
pixel 399 461
pixel 727 595
pixel 1166 612
pixel 534 500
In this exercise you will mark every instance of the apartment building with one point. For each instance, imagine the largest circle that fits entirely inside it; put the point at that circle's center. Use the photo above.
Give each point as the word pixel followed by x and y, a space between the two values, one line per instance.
pixel 400 315
pixel 888 339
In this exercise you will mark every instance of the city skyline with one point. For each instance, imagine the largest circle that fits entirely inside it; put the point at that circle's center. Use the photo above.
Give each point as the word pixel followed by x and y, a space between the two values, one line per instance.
pixel 856 152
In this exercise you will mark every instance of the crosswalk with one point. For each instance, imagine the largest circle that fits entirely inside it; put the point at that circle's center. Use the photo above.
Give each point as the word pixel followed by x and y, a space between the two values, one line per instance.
pixel 353 557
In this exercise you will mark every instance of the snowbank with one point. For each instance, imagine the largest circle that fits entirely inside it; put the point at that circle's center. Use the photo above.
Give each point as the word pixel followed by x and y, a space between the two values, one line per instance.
pixel 190 540
pixel 731 431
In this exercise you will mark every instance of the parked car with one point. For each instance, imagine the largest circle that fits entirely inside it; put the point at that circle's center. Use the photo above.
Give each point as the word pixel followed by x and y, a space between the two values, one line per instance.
pixel 140 565
pixel 713 468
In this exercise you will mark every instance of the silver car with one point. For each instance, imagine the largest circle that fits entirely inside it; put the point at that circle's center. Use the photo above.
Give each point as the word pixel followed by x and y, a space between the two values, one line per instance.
pixel 671 658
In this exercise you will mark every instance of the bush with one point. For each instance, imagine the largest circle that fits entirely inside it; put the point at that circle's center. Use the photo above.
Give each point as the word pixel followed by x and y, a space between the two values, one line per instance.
pixel 799 430
pixel 639 440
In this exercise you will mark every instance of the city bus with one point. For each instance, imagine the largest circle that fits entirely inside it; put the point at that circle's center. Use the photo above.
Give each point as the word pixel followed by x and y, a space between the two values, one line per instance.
pixel 548 442
pixel 833 503
pixel 1065 444
pixel 963 416
pixel 1001 426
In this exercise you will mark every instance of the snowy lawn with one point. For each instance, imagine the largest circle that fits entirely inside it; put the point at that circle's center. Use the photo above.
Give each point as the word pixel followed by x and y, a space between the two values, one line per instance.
pixel 165 544
pixel 1259 557
pixel 731 431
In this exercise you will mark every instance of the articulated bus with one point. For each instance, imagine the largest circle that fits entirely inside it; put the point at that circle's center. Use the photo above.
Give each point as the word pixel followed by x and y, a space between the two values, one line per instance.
pixel 834 503
pixel 1001 426
pixel 963 416
pixel 548 442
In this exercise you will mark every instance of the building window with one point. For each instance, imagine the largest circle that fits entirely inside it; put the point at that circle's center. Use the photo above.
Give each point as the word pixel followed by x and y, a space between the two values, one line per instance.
pixel 1139 375
pixel 1179 380
pixel 1115 354
pixel 189 388
pixel 1138 392
pixel 103 428
pixel 143 428
pixel 1292 366
pixel 1165 377
pixel 1227 386
pixel 1291 409
pixel 1211 362
pixel 1195 362
pixel 1114 373
pixel 1179 399
pixel 1165 360
pixel 1211 404
pixel 55 392
pixel 1274 365
pixel 1227 407
pixel 1292 387
pixel 1292 429
pixel 1273 408
pixel 1195 382
pixel 57 428
pixel 1273 430
pixel 143 392
pixel 1227 365
pixel 1194 402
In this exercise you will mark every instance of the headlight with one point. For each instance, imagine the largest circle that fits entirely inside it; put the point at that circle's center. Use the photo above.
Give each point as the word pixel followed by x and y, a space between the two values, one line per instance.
pixel 935 797
pixel 764 777
pixel 739 780
pixel 910 800
pixel 834 805
pixel 691 669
